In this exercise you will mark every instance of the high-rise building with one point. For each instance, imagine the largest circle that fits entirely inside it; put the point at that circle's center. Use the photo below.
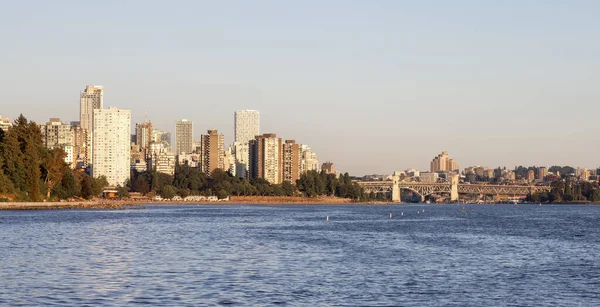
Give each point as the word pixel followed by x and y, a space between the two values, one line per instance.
pixel 213 151
pixel 162 136
pixel 56 134
pixel 443 163
pixel 230 161
pixel 161 159
pixel 292 159
pixel 80 146
pixel 247 127
pixel 266 158
pixel 111 145
pixel 310 162
pixel 241 152
pixel 89 100
pixel 184 137
pixel 5 123
pixel 92 98
pixel 143 136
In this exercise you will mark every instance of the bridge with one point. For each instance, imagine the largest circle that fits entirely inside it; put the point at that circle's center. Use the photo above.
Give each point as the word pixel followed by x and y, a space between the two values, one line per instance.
pixel 453 188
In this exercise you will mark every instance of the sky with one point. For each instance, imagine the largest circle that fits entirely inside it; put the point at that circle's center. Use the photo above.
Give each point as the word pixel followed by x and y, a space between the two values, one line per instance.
pixel 373 86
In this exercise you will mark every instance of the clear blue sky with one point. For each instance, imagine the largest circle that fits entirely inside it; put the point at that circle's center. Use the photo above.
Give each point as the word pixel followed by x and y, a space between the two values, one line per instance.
pixel 374 86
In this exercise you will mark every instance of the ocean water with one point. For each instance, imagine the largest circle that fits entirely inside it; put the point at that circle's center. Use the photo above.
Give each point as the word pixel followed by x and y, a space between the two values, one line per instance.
pixel 482 255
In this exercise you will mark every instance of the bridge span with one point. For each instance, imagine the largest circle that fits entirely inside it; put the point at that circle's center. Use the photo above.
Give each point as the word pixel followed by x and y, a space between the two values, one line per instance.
pixel 453 188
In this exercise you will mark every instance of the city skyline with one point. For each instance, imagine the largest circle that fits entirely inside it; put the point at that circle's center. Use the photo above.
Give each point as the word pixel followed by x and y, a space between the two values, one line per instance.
pixel 407 79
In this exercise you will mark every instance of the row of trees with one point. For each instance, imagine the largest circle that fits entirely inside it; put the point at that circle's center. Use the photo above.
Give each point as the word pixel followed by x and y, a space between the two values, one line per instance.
pixel 568 190
pixel 191 181
pixel 31 172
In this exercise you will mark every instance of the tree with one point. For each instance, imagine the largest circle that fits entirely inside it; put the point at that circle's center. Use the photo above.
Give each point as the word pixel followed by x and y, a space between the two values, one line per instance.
pixel 98 185
pixel 168 192
pixel 222 194
pixel 140 184
pixel 122 192
pixel 52 166
pixel 183 193
pixel 86 187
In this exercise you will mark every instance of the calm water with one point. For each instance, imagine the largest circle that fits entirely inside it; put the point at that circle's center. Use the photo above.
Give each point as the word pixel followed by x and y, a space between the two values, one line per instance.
pixel 501 255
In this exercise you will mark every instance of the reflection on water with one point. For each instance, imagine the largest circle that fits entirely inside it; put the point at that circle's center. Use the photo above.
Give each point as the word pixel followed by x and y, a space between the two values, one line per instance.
pixel 191 255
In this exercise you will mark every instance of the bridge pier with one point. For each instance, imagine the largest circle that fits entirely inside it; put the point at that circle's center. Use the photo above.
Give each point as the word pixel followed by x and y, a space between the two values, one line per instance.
pixel 396 196
pixel 454 189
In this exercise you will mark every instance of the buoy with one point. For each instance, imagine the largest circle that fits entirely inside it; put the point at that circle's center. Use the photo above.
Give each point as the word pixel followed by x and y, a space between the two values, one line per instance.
pixel 418 212
pixel 402 214
pixel 390 215
pixel 327 218
pixel 423 210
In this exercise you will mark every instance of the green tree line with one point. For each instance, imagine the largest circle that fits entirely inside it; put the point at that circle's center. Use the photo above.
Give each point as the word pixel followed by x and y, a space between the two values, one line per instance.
pixel 31 172
pixel 568 190
pixel 191 181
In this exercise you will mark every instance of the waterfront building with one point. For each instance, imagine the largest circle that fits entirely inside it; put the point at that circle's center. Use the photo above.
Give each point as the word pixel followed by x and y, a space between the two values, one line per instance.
pixel 143 136
pixel 443 163
pixel 192 160
pixel 5 123
pixel 89 100
pixel 229 161
pixel 247 125
pixel 184 137
pixel 139 166
pixel 310 162
pixel 92 98
pixel 136 155
pixel 69 155
pixel 56 134
pixel 328 168
pixel 81 151
pixel 265 157
pixel 292 158
pixel 542 172
pixel 162 137
pixel 161 159
pixel 241 152
pixel 246 128
pixel 111 145
pixel 213 151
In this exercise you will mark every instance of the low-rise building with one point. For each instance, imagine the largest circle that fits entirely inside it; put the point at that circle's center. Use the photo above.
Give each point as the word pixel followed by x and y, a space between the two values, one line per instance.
pixel 428 177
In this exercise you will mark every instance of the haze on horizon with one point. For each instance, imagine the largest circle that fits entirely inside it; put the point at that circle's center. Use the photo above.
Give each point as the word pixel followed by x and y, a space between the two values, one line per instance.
pixel 374 86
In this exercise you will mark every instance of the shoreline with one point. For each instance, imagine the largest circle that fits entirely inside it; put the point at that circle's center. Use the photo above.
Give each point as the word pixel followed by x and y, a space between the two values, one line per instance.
pixel 122 204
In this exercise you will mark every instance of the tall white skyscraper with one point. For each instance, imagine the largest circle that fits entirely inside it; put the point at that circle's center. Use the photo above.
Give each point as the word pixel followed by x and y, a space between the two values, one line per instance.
pixel 89 100
pixel 111 147
pixel 247 127
pixel 184 137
